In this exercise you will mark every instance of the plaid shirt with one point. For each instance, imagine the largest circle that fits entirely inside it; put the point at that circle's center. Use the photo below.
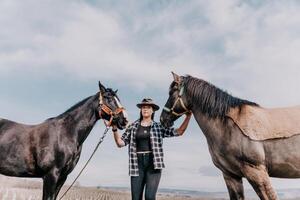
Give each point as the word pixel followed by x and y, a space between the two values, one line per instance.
pixel 157 133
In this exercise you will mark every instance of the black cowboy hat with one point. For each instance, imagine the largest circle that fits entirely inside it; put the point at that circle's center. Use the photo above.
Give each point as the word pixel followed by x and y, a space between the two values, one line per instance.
pixel 148 102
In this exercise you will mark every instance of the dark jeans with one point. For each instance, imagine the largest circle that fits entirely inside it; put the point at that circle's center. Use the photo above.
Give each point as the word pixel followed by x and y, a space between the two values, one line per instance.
pixel 148 178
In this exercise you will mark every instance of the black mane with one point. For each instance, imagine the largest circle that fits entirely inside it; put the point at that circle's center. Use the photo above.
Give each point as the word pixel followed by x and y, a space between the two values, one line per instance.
pixel 77 105
pixel 73 107
pixel 211 100
pixel 108 91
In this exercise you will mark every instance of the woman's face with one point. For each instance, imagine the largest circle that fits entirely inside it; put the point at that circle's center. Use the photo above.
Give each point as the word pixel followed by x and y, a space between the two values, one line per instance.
pixel 147 111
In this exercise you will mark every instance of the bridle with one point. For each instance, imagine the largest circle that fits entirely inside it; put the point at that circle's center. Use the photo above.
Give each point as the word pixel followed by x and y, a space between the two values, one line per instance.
pixel 104 108
pixel 179 99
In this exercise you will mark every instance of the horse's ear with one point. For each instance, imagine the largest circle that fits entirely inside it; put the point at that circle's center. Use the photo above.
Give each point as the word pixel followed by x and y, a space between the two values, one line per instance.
pixel 116 91
pixel 176 77
pixel 101 87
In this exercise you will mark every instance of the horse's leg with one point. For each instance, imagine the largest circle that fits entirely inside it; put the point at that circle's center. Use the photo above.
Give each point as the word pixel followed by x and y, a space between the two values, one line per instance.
pixel 60 183
pixel 260 181
pixel 234 186
pixel 49 185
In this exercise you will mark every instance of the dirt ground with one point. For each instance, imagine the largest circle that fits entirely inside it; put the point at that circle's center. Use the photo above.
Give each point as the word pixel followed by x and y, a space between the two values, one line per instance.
pixel 24 189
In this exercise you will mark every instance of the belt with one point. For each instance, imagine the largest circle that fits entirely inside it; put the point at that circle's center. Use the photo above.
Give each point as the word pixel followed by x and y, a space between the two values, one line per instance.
pixel 144 152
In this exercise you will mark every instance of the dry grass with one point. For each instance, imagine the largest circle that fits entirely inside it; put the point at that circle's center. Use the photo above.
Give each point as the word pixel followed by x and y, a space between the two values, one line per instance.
pixel 28 189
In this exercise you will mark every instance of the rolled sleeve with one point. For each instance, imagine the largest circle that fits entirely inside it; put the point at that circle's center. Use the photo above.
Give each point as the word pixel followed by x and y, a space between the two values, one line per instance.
pixel 126 135
pixel 169 132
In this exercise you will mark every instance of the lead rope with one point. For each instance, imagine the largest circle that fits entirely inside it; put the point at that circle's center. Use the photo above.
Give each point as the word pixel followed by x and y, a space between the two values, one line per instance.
pixel 100 141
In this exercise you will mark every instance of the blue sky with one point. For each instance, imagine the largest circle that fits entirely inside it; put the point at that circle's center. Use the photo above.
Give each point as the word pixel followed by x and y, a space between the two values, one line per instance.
pixel 52 53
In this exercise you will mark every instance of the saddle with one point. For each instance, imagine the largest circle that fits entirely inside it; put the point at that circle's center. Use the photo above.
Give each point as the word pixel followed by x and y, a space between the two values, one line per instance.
pixel 260 123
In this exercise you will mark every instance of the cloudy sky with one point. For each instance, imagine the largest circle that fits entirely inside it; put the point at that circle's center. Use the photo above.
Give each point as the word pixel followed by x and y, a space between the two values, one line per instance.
pixel 52 53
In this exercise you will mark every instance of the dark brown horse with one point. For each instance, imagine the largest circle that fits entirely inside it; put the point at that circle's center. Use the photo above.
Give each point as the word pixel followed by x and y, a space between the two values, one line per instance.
pixel 233 152
pixel 51 150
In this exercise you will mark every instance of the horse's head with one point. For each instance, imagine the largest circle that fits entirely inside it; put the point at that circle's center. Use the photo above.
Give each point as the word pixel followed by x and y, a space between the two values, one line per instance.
pixel 177 104
pixel 110 108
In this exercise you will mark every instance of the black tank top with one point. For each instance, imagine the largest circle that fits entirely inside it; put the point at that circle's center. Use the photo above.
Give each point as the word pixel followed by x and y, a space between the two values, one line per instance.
pixel 143 139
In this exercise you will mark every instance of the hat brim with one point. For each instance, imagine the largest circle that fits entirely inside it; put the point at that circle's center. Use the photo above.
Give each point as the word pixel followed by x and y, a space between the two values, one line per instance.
pixel 154 106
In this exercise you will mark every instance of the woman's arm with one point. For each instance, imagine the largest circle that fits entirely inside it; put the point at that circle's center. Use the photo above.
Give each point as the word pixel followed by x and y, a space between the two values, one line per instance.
pixel 119 142
pixel 184 124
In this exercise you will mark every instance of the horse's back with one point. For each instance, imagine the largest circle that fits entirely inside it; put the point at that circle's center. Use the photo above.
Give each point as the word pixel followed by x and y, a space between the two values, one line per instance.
pixel 11 127
pixel 16 149
pixel 260 123
pixel 6 125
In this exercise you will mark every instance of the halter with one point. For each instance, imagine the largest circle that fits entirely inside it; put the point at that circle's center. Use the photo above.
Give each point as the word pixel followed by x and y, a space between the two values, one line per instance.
pixel 179 98
pixel 104 108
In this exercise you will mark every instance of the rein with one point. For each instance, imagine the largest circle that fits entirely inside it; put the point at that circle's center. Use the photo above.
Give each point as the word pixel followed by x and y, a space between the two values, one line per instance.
pixel 179 99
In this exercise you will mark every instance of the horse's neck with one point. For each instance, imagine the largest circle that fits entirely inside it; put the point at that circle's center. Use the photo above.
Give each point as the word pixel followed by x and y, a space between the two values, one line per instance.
pixel 212 128
pixel 82 119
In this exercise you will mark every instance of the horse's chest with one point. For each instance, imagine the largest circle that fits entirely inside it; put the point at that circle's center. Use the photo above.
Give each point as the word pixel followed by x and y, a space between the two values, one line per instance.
pixel 73 159
pixel 217 157
pixel 224 160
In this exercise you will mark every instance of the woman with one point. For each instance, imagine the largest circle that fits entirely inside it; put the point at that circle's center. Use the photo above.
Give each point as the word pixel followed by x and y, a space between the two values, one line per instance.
pixel 145 139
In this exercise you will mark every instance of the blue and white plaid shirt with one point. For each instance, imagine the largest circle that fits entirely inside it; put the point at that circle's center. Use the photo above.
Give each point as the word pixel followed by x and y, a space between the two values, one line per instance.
pixel 157 133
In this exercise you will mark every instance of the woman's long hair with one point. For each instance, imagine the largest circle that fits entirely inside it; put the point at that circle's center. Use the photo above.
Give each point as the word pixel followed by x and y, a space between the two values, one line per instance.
pixel 141 116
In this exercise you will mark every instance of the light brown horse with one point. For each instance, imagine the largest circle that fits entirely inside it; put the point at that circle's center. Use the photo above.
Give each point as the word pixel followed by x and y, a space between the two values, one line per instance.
pixel 234 152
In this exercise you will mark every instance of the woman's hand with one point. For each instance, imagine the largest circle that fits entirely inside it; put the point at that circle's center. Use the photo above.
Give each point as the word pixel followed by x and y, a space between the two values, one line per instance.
pixel 119 142
pixel 114 128
pixel 184 124
pixel 188 114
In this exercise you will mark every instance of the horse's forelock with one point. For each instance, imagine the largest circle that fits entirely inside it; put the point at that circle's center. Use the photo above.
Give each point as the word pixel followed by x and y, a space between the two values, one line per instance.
pixel 110 91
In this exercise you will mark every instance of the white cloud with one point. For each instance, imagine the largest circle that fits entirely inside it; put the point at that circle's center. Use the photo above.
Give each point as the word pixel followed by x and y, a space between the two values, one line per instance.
pixel 89 42
pixel 265 44
pixel 249 50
